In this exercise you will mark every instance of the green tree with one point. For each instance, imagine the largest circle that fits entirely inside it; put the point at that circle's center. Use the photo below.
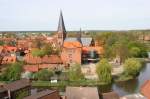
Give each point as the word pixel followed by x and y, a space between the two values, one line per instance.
pixel 103 70
pixel 44 74
pixel 135 51
pixel 75 73
pixel 121 50
pixel 132 67
pixel 38 53
pixel 13 72
pixel 47 49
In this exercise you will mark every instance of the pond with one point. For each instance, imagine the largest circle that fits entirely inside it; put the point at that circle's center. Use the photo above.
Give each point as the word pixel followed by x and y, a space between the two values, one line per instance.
pixel 126 87
pixel 129 87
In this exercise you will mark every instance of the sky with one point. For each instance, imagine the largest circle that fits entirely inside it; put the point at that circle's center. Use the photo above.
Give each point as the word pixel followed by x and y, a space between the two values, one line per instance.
pixel 43 15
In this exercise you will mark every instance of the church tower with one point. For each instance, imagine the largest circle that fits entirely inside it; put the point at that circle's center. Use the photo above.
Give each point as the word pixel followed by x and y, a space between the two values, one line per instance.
pixel 61 30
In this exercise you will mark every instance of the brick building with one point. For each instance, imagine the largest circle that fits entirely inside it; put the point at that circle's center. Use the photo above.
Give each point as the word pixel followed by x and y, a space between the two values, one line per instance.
pixel 76 49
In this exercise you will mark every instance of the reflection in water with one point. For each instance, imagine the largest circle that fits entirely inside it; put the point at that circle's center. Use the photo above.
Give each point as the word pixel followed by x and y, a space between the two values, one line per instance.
pixel 122 88
pixel 105 88
pixel 127 87
pixel 132 86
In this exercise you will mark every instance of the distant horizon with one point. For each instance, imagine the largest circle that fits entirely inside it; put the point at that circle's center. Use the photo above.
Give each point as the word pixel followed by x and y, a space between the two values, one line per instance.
pixel 71 30
pixel 43 15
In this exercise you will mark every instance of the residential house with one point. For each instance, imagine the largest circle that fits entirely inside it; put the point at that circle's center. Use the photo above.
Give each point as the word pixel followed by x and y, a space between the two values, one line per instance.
pixel 110 95
pixel 7 54
pixel 82 93
pixel 34 64
pixel 145 89
pixel 46 94
pixel 3 93
pixel 19 87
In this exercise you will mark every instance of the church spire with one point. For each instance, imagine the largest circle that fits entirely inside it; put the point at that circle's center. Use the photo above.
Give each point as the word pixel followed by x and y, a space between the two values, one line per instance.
pixel 61 25
pixel 61 30
pixel 79 36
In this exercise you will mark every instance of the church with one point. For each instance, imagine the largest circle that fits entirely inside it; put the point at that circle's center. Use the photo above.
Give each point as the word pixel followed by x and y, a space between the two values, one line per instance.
pixel 77 49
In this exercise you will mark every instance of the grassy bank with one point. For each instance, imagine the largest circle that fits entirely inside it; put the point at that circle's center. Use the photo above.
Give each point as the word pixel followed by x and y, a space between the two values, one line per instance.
pixel 67 83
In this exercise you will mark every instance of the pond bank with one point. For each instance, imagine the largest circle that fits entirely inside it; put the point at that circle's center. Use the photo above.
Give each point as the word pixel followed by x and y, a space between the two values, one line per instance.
pixel 122 88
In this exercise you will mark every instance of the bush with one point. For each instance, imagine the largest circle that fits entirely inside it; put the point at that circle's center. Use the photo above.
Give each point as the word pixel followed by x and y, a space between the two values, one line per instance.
pixel 75 73
pixel 13 72
pixel 132 67
pixel 103 70
pixel 43 74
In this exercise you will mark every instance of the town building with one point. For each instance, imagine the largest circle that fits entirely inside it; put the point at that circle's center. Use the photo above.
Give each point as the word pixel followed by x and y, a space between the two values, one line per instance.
pixel 7 54
pixel 3 93
pixel 46 94
pixel 145 89
pixel 76 49
pixel 18 87
pixel 110 95
pixel 82 93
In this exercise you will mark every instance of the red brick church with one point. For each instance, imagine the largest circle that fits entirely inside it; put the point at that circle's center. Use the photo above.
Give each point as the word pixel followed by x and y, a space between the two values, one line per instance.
pixel 76 49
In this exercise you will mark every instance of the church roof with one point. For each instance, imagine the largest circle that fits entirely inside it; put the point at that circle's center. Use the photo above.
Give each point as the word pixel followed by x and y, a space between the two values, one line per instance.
pixel 85 41
pixel 74 44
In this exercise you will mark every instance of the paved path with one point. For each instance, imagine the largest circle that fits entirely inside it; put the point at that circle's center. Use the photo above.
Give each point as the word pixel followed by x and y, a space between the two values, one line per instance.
pixel 116 69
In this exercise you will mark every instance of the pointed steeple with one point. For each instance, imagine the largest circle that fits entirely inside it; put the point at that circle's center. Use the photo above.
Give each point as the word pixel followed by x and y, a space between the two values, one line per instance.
pixel 79 36
pixel 61 25
pixel 61 31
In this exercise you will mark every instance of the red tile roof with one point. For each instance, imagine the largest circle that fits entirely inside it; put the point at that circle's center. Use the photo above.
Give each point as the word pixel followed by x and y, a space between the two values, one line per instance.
pixel 145 89
pixel 10 48
pixel 9 59
pixel 52 59
pixel 74 44
pixel 36 68
pixel 1 49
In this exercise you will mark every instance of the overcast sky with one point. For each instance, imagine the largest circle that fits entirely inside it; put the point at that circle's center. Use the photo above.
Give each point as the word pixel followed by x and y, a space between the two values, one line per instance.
pixel 87 14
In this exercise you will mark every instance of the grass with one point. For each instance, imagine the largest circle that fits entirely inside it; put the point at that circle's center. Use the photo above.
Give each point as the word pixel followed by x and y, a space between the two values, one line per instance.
pixel 67 83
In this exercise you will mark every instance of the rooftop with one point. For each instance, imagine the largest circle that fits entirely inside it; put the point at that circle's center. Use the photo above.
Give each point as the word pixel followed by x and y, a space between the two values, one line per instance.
pixel 110 95
pixel 145 89
pixel 82 93
pixel 2 90
pixel 17 85
pixel 41 94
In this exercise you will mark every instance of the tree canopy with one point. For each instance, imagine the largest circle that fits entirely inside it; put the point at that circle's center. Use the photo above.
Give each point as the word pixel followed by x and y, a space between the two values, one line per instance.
pixel 103 70
pixel 13 72
pixel 132 67
pixel 75 73
pixel 44 74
